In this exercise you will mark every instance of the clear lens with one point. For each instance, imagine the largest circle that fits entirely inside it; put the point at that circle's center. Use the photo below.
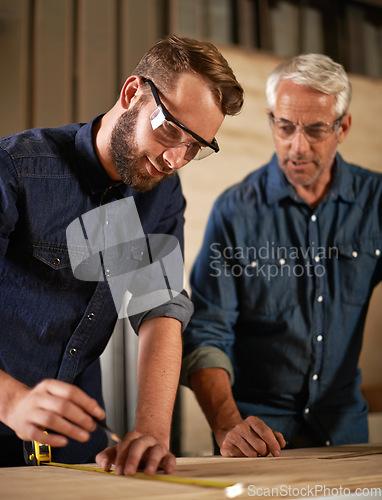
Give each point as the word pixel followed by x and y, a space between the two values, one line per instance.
pixel 313 133
pixel 317 134
pixel 200 154
pixel 165 130
pixel 172 136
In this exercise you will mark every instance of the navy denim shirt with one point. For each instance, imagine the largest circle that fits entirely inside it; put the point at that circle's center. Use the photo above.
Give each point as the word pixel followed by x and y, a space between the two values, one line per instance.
pixel 281 292
pixel 52 324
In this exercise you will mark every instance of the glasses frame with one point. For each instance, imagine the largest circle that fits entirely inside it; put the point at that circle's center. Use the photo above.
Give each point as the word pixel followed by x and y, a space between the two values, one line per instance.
pixel 168 116
pixel 334 126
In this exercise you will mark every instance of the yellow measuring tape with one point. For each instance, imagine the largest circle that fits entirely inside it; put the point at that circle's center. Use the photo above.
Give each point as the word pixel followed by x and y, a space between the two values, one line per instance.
pixel 231 490
pixel 41 455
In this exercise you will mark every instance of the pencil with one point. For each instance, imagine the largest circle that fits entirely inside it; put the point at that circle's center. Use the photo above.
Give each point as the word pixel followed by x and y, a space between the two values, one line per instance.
pixel 111 433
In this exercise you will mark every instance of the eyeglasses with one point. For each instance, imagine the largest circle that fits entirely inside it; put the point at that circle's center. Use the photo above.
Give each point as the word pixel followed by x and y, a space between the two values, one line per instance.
pixel 313 132
pixel 168 130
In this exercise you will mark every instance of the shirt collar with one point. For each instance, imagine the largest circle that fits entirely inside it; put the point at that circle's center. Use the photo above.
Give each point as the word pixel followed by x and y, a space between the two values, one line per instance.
pixel 278 187
pixel 342 185
pixel 95 175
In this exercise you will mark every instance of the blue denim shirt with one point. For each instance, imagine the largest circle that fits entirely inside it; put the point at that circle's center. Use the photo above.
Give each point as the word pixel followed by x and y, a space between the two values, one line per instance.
pixel 281 292
pixel 52 324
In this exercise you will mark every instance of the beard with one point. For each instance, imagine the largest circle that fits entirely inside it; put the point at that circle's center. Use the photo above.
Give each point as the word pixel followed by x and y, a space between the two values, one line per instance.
pixel 128 161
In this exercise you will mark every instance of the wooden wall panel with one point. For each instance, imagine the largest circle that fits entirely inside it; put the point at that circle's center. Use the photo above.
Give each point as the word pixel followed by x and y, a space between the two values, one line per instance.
pixel 187 17
pixel 139 30
pixel 247 26
pixel 14 61
pixel 53 63
pixel 96 64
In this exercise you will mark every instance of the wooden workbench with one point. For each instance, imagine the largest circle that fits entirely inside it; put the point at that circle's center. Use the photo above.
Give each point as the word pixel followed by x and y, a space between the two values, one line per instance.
pixel 289 474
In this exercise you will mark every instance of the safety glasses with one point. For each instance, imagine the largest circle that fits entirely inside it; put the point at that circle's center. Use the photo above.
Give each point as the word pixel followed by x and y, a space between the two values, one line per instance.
pixel 313 132
pixel 170 131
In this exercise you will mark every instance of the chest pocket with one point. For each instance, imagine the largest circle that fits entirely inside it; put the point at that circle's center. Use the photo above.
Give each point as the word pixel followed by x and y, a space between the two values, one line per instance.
pixel 358 265
pixel 269 285
pixel 51 266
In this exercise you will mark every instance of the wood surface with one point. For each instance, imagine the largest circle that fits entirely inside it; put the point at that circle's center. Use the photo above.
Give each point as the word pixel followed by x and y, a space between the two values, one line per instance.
pixel 316 468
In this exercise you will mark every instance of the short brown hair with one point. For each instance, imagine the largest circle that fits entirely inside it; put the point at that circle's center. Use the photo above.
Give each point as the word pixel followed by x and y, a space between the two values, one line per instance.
pixel 173 55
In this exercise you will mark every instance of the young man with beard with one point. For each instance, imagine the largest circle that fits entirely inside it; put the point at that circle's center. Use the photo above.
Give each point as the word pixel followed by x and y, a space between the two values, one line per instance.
pixel 284 277
pixel 53 326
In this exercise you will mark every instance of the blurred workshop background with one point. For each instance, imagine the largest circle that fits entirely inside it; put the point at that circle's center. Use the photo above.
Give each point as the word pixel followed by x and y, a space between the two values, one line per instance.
pixel 64 61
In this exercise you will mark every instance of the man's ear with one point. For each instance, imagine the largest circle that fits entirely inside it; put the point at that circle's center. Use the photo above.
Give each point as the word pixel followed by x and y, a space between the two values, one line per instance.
pixel 344 127
pixel 129 91
pixel 268 112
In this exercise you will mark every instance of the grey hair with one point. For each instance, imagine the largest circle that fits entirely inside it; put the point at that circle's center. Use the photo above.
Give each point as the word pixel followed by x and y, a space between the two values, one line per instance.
pixel 314 70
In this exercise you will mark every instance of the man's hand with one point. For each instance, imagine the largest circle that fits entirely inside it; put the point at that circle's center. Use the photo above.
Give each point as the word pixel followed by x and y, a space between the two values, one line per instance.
pixel 235 437
pixel 53 405
pixel 135 451
pixel 251 438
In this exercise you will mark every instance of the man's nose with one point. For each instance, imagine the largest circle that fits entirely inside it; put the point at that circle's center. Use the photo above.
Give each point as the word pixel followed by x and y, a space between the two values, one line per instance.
pixel 299 142
pixel 174 157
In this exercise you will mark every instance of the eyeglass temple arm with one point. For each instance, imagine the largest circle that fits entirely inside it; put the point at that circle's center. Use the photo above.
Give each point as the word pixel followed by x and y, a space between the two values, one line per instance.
pixel 153 89
pixel 158 102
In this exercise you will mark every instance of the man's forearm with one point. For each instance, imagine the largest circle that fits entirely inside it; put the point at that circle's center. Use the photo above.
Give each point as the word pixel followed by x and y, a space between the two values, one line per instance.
pixel 213 391
pixel 159 361
pixel 235 437
pixel 11 390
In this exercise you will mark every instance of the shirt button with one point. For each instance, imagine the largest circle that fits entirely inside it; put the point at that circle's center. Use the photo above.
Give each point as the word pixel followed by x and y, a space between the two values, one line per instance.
pixel 107 223
pixel 253 263
pixel 315 376
pixel 282 261
pixel 313 218
pixel 56 261
pixel 320 298
pixel 73 351
pixel 91 316
pixel 306 411
pixel 354 254
pixel 377 252
pixel 327 443
pixel 317 258
pixel 319 338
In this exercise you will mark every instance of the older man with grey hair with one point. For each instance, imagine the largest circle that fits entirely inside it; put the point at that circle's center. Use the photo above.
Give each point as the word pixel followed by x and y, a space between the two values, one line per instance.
pixel 283 281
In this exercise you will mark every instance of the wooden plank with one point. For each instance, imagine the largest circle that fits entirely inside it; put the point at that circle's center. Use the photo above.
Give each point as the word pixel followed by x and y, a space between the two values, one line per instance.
pixel 97 57
pixel 188 18
pixel 355 20
pixel 219 19
pixel 246 23
pixel 285 29
pixel 335 46
pixel 15 84
pixel 141 26
pixel 287 476
pixel 264 16
pixel 377 3
pixel 372 36
pixel 312 30
pixel 53 57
